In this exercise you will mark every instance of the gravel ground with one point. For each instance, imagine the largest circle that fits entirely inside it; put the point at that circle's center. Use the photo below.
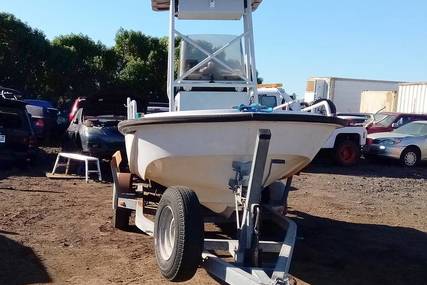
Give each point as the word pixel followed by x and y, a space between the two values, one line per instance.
pixel 360 225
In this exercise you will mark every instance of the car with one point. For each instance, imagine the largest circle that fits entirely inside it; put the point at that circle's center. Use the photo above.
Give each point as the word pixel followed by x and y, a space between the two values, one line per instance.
pixel 407 143
pixel 17 137
pixel 45 118
pixel 388 121
pixel 93 129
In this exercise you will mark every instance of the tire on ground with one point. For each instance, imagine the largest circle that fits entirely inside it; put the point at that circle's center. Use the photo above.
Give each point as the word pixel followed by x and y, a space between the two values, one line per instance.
pixel 410 157
pixel 178 244
pixel 347 153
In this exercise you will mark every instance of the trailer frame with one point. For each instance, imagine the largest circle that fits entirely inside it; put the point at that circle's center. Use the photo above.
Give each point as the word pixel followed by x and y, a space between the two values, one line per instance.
pixel 247 249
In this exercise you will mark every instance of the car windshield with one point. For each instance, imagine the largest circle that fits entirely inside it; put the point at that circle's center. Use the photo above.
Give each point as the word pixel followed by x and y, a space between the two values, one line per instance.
pixel 384 120
pixel 413 129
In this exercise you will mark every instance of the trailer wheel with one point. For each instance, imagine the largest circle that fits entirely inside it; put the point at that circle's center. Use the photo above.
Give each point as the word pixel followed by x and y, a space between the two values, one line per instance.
pixel 121 218
pixel 178 234
pixel 347 153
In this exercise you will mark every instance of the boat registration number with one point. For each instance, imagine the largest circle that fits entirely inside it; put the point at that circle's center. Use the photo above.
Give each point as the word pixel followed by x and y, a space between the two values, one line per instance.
pixel 2 138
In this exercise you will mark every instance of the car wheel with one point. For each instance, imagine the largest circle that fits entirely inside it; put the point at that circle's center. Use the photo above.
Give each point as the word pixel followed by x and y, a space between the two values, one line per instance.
pixel 178 234
pixel 410 157
pixel 347 153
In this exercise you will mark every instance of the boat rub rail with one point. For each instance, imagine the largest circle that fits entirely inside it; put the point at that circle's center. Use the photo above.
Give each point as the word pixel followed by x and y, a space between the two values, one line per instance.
pixel 236 117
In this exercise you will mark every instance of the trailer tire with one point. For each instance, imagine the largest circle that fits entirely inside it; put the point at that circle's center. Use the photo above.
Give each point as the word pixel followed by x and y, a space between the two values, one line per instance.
pixel 347 153
pixel 178 234
pixel 121 218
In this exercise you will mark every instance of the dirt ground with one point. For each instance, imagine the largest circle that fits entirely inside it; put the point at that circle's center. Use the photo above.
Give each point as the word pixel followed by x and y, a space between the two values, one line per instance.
pixel 360 225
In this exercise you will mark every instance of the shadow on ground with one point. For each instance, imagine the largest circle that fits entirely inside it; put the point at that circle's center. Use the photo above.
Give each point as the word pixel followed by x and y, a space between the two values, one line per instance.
pixel 377 168
pixel 336 252
pixel 19 264
pixel 43 162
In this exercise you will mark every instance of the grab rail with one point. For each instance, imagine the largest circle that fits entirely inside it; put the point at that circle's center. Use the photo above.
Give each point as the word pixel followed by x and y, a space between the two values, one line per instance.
pixel 307 109
pixel 317 105
pixel 132 109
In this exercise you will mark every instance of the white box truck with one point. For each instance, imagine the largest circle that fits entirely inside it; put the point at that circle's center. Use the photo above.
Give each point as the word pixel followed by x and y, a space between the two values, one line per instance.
pixel 412 98
pixel 344 92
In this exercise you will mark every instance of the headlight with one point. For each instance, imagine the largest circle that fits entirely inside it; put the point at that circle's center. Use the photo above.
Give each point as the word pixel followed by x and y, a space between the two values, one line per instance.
pixel 391 141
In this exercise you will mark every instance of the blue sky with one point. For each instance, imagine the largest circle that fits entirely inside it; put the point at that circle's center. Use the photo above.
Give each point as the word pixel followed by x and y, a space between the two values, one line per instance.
pixel 382 39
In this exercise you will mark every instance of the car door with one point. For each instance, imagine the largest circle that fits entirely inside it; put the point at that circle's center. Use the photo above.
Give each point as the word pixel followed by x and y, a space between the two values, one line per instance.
pixel 423 145
pixel 73 129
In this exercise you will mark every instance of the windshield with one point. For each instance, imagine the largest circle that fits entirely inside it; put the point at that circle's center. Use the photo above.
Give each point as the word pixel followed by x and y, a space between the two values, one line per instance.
pixel 268 101
pixel 384 120
pixel 226 66
pixel 413 129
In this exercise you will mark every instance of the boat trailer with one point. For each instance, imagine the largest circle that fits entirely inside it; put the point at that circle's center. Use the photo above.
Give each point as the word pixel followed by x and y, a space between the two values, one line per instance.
pixel 246 266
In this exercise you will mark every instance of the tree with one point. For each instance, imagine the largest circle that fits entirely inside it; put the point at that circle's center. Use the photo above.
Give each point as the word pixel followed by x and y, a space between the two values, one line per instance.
pixel 23 55
pixel 85 66
pixel 142 63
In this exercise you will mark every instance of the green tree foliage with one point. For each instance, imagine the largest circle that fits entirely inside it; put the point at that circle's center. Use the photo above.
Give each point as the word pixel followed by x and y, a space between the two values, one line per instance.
pixel 23 55
pixel 84 67
pixel 143 63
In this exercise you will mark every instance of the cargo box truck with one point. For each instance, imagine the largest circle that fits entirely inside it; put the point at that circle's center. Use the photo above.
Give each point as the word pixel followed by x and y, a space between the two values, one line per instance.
pixel 412 98
pixel 344 92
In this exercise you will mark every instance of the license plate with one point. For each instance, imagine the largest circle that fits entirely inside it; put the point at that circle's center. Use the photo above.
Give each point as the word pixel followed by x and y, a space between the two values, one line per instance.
pixel 2 138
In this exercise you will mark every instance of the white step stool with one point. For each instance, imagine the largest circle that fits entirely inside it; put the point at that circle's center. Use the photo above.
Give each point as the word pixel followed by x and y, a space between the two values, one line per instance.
pixel 80 157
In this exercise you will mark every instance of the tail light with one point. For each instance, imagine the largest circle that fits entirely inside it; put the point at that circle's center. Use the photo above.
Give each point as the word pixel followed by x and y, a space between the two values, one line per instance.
pixel 369 141
pixel 39 123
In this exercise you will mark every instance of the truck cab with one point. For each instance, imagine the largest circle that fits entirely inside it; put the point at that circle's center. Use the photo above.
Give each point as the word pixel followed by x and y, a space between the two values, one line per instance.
pixel 272 95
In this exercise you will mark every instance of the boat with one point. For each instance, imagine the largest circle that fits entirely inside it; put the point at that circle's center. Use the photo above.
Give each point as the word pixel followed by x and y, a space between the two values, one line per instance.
pixel 198 148
pixel 217 147
pixel 197 143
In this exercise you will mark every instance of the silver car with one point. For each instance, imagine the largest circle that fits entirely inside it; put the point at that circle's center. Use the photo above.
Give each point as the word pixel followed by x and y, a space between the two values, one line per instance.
pixel 407 143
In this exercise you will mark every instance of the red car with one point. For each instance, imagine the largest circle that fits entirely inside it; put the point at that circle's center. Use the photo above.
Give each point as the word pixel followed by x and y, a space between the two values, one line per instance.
pixel 388 121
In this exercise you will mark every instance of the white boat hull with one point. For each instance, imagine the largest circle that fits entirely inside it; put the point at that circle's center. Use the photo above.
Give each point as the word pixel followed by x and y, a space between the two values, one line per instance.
pixel 200 155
